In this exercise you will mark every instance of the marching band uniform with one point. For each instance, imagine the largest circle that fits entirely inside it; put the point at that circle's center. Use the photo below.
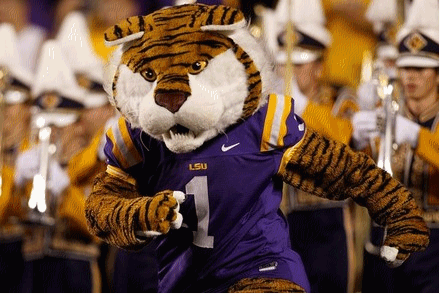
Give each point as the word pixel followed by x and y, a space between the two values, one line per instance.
pixel 343 59
pixel 383 17
pixel 63 257
pixel 320 229
pixel 15 112
pixel 415 160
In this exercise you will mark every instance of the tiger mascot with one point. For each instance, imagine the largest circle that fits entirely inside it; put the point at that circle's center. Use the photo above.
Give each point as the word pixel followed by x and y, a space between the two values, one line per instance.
pixel 201 135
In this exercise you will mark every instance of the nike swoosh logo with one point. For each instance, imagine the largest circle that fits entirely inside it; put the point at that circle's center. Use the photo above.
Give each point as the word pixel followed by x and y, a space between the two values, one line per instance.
pixel 227 148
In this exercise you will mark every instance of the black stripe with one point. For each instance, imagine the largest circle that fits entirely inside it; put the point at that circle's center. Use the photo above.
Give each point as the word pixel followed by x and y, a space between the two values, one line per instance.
pixel 117 31
pixel 385 209
pixel 176 28
pixel 160 56
pixel 180 65
pixel 210 43
pixel 211 16
pixel 141 23
pixel 147 222
pixel 160 44
pixel 117 209
pixel 255 74
pixel 232 18
pixel 225 11
pixel 128 20
pixel 253 85
pixel 320 175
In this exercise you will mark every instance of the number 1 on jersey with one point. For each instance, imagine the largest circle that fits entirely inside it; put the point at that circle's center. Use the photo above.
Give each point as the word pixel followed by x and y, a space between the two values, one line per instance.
pixel 198 186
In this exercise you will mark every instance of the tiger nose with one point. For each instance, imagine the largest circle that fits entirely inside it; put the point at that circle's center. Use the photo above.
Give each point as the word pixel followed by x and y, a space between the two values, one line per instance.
pixel 171 100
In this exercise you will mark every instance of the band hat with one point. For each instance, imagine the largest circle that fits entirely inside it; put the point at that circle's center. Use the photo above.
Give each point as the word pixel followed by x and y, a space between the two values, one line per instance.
pixel 75 41
pixel 383 15
pixel 418 40
pixel 311 36
pixel 76 46
pixel 55 77
pixel 10 59
pixel 381 12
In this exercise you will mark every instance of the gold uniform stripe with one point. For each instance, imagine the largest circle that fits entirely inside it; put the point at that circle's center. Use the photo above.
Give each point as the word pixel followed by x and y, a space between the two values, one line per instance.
pixel 275 128
pixel 288 155
pixel 283 126
pixel 134 153
pixel 116 152
pixel 120 174
pixel 271 107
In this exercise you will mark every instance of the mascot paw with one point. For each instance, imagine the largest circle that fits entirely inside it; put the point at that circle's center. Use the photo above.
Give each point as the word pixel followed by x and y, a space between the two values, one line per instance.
pixel 389 254
pixel 162 214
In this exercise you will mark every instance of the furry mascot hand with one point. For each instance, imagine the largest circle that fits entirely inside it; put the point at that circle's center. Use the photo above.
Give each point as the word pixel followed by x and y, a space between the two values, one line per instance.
pixel 138 218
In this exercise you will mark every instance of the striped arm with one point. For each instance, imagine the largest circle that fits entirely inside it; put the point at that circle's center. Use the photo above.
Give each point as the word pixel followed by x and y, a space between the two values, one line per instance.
pixel 115 211
pixel 265 285
pixel 330 169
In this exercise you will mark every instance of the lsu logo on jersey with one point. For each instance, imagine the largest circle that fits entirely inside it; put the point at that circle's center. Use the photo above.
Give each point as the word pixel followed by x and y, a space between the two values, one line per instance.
pixel 198 166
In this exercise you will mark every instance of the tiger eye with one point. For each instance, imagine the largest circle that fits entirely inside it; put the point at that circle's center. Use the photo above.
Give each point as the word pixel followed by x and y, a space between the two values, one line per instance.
pixel 149 75
pixel 197 67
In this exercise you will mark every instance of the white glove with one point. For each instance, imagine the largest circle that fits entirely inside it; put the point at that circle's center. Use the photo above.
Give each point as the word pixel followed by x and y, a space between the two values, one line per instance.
pixel 406 131
pixel 364 127
pixel 367 96
pixel 28 165
pixel 58 179
pixel 389 254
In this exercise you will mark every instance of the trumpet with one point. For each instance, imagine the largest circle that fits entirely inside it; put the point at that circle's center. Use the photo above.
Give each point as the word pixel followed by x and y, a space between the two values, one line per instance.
pixel 386 120
pixel 41 203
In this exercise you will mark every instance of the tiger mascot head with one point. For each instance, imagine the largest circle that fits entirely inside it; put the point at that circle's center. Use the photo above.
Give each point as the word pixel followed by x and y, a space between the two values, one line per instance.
pixel 185 73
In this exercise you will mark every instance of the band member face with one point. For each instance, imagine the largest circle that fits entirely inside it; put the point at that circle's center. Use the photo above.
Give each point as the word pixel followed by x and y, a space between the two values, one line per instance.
pixel 95 118
pixel 307 76
pixel 72 139
pixel 419 82
pixel 16 124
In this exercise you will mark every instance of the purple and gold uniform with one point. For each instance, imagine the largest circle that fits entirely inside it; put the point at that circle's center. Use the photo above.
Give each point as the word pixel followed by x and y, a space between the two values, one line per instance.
pixel 232 226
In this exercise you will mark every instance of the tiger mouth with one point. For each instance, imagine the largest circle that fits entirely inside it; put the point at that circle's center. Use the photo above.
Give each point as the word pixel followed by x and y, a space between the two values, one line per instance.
pixel 179 132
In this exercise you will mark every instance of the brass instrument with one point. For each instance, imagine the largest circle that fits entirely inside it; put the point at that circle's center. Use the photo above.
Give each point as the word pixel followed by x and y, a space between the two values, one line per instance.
pixel 41 203
pixel 386 121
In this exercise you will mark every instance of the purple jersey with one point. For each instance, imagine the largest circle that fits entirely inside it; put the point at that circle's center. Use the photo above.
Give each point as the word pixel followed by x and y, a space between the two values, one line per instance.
pixel 233 227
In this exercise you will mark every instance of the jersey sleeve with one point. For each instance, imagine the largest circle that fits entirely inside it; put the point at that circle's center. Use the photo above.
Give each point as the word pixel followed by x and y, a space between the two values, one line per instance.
pixel 282 127
pixel 122 149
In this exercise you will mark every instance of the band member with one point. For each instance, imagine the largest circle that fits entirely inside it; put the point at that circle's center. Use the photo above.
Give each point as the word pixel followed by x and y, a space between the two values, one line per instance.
pixel 321 230
pixel 15 105
pixel 415 160
pixel 60 254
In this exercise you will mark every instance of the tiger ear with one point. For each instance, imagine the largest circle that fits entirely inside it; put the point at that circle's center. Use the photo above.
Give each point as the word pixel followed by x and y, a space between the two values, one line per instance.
pixel 127 30
pixel 223 18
